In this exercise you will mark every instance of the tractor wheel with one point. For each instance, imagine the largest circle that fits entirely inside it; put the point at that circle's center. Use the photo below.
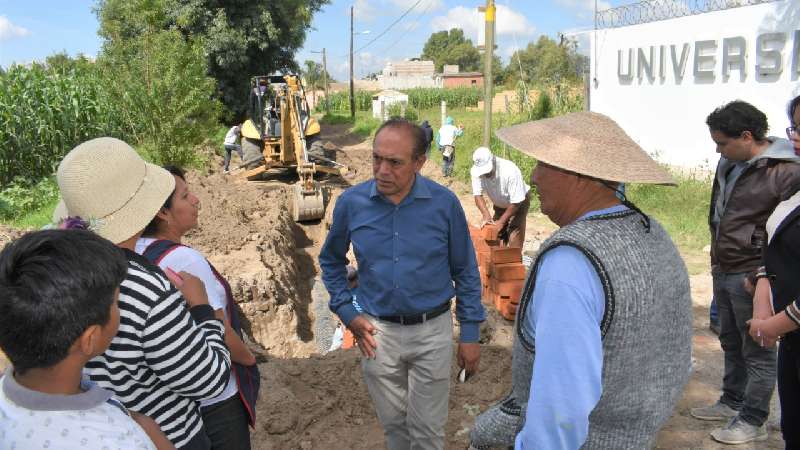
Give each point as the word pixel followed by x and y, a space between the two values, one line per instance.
pixel 253 153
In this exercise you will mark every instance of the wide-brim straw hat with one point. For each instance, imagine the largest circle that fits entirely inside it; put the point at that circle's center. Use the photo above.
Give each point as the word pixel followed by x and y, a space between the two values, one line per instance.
pixel 105 182
pixel 589 144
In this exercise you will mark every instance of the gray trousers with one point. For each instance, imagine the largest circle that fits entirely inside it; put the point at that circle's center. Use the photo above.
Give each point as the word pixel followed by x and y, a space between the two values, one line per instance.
pixel 409 381
pixel 750 370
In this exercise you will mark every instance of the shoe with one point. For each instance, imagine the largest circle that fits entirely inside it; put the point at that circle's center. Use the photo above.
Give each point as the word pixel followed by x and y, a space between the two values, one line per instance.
pixel 737 431
pixel 226 171
pixel 717 411
pixel 714 327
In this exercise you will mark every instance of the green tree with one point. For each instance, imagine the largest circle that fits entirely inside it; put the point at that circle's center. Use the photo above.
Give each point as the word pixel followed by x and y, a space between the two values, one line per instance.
pixel 451 47
pixel 315 76
pixel 240 38
pixel 544 62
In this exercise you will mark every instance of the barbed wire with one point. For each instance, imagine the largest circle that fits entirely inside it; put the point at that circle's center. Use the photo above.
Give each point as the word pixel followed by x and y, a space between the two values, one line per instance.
pixel 655 10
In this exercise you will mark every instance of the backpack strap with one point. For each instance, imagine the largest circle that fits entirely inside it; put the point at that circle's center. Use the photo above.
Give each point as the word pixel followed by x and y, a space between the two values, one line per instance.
pixel 158 249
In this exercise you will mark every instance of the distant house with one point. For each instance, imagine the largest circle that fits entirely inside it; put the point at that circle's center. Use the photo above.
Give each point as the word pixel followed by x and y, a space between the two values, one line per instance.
pixel 382 100
pixel 462 79
pixel 409 74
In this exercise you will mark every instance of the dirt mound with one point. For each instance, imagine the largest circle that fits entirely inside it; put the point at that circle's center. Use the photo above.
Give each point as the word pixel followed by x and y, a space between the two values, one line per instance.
pixel 322 402
pixel 247 232
pixel 8 234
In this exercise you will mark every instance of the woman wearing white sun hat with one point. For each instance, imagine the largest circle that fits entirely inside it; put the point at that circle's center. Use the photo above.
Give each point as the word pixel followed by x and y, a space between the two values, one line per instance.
pixel 169 352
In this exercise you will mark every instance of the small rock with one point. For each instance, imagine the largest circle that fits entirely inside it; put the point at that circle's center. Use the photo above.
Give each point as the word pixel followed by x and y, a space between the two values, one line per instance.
pixel 358 421
pixel 305 445
pixel 707 249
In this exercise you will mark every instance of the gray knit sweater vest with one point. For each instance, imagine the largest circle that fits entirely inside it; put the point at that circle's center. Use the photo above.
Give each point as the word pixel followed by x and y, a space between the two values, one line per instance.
pixel 646 331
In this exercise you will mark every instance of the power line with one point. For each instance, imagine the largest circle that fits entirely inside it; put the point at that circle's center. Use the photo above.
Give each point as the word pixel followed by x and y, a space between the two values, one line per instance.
pixel 386 50
pixel 389 27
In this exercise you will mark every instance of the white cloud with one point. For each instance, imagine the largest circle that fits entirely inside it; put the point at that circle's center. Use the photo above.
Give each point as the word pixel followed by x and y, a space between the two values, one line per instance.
pixel 508 22
pixel 584 8
pixel 424 5
pixel 364 11
pixel 10 31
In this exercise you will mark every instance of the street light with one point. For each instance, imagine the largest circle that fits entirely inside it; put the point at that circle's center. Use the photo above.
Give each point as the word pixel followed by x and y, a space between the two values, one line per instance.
pixel 352 93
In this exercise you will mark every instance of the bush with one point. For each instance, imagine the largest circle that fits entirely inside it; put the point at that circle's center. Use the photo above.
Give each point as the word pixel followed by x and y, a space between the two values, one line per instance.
pixel 335 119
pixel 21 197
pixel 404 111
pixel 160 84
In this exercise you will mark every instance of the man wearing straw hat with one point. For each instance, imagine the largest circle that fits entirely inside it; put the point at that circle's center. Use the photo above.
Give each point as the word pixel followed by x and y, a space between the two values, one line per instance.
pixel 169 352
pixel 602 337
pixel 502 181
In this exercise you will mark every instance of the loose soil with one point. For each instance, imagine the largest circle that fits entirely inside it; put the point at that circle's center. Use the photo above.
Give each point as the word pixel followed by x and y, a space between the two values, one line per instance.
pixel 313 401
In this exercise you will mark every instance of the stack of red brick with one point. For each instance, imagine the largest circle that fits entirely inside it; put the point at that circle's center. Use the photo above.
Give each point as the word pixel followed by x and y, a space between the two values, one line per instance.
pixel 501 268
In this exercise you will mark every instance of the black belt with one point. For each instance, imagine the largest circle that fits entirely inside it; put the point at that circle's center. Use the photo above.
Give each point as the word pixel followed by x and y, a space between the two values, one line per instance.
pixel 414 319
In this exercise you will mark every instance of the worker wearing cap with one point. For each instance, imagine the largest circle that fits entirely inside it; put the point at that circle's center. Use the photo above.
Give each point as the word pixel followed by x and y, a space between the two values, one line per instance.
pixel 502 182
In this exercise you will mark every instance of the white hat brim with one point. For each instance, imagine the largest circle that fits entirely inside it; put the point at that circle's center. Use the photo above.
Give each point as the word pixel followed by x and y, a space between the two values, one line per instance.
pixel 134 216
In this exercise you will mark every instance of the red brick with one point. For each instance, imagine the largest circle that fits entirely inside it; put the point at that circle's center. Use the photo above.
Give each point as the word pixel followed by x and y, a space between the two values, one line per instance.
pixel 500 255
pixel 508 271
pixel 348 340
pixel 490 232
pixel 508 310
pixel 512 288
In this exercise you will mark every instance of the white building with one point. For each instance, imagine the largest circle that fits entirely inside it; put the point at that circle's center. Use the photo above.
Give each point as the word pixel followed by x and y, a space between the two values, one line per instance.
pixel 660 80
pixel 386 98
pixel 409 74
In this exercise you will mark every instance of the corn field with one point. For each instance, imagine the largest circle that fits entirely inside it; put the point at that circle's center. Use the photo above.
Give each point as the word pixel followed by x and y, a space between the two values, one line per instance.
pixel 44 113
pixel 426 98
pixel 418 98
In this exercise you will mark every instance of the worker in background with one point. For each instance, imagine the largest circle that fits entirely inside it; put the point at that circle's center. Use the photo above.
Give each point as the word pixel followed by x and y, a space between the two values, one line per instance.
pixel 426 127
pixel 231 144
pixel 402 224
pixel 603 335
pixel 446 140
pixel 502 182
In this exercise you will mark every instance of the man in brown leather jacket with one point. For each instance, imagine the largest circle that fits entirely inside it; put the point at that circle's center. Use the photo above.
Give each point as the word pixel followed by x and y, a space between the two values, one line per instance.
pixel 754 174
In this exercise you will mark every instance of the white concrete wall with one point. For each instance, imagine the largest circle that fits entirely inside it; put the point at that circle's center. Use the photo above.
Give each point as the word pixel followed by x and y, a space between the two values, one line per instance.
pixel 666 115
pixel 409 81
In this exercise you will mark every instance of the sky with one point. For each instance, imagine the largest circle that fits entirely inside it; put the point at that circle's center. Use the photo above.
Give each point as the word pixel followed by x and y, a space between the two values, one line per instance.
pixel 386 30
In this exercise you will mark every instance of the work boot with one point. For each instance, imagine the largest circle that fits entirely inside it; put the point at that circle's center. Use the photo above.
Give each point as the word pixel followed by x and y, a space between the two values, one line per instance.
pixel 737 431
pixel 717 411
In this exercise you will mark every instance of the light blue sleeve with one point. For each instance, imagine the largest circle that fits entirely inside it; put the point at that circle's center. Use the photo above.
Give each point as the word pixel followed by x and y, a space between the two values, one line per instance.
pixel 566 311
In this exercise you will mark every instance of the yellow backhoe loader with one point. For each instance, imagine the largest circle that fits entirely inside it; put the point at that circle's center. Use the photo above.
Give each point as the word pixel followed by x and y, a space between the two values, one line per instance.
pixel 281 134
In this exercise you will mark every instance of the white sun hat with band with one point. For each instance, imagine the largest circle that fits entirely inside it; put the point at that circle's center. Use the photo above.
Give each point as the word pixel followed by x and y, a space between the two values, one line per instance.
pixel 106 183
pixel 589 144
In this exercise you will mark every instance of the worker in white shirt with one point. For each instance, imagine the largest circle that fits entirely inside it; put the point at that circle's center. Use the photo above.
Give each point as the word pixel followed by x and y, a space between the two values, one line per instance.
pixel 231 145
pixel 447 144
pixel 502 181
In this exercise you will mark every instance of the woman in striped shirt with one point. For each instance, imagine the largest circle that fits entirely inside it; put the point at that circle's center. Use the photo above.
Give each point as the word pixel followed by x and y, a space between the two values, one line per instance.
pixel 169 352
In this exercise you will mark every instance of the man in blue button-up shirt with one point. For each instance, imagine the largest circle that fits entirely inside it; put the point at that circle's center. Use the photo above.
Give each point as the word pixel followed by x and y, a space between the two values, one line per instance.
pixel 414 254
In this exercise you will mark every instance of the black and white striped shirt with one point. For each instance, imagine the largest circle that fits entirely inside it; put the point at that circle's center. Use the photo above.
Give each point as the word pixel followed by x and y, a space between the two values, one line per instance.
pixel 165 357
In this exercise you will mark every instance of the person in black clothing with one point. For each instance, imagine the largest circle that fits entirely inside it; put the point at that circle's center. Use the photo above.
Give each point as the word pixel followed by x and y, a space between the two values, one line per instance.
pixel 426 127
pixel 779 275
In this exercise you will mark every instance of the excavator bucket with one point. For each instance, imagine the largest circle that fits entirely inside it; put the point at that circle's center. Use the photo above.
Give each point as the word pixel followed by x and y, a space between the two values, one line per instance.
pixel 307 204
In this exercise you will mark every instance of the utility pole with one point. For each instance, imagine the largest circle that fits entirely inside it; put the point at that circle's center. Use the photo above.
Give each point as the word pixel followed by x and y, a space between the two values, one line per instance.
pixel 325 78
pixel 352 94
pixel 489 12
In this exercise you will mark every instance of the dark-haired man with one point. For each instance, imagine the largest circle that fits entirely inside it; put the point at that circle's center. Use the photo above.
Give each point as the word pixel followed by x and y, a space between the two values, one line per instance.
pixel 411 241
pixel 58 309
pixel 754 174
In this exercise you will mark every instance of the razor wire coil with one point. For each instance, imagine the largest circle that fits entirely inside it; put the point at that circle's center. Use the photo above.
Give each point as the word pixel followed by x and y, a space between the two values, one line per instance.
pixel 655 10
